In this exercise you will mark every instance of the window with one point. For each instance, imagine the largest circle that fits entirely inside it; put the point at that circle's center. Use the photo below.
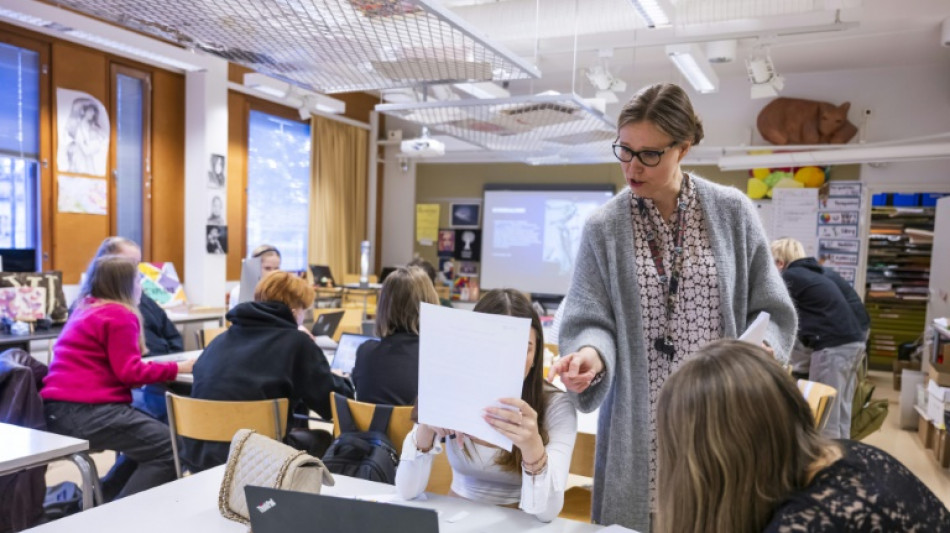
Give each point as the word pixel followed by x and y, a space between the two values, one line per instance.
pixel 278 187
pixel 131 155
pixel 19 146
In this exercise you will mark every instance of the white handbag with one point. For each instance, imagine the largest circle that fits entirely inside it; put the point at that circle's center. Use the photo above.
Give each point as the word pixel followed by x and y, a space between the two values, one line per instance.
pixel 264 462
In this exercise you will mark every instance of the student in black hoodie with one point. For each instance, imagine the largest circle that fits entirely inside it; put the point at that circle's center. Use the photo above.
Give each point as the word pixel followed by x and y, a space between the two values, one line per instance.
pixel 263 355
pixel 387 370
pixel 828 325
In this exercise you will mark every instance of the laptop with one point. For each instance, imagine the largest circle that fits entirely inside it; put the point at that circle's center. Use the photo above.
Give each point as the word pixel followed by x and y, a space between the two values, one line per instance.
pixel 250 275
pixel 326 323
pixel 322 272
pixel 284 511
pixel 345 356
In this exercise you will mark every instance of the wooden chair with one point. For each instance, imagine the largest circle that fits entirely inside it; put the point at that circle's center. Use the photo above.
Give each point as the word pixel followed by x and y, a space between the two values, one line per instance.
pixel 204 336
pixel 400 424
pixel 219 421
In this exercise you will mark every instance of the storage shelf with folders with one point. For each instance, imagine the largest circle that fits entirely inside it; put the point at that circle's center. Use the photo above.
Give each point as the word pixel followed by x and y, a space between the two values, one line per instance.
pixel 898 278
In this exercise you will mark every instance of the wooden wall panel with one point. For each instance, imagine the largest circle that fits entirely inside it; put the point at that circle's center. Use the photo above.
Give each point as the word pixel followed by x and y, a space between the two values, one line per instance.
pixel 76 236
pixel 168 169
pixel 237 182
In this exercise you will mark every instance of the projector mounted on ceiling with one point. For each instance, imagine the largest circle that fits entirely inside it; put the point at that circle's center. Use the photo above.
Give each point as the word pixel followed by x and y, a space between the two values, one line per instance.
pixel 424 146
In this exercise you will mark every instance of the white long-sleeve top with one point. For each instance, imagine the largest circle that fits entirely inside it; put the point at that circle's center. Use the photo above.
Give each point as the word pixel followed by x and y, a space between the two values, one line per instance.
pixel 478 478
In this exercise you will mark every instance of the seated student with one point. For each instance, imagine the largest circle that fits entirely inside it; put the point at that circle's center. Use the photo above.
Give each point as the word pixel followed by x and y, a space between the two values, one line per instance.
pixel 263 355
pixel 270 262
pixel 543 429
pixel 96 361
pixel 387 370
pixel 738 451
pixel 828 325
pixel 430 271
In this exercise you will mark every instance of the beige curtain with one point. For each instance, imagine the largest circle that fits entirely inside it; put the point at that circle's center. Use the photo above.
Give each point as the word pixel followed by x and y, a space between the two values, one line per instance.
pixel 338 195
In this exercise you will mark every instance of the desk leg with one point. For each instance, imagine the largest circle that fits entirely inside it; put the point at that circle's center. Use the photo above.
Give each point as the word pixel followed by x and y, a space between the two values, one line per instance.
pixel 91 489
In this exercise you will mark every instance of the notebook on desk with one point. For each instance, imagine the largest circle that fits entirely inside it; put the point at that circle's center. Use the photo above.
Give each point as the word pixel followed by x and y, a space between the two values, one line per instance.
pixel 345 356
pixel 284 511
pixel 326 323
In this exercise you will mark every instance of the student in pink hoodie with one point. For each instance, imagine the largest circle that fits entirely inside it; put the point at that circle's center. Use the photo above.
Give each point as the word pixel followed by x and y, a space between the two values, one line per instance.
pixel 96 362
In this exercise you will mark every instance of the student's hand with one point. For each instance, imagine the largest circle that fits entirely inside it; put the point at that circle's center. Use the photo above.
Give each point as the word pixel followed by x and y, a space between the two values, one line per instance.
pixel 578 369
pixel 520 425
pixel 184 367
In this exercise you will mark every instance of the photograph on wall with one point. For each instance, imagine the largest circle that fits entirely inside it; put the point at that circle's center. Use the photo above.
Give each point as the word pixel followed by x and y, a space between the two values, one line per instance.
pixel 468 245
pixel 216 239
pixel 216 176
pixel 447 268
pixel 468 268
pixel 446 241
pixel 82 125
pixel 88 196
pixel 465 215
pixel 216 218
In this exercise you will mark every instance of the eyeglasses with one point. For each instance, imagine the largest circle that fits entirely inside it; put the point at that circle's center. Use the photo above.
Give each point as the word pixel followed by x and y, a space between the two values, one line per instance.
pixel 650 158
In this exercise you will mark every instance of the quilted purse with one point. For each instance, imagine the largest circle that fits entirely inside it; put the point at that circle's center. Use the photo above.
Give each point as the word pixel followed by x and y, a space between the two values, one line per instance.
pixel 264 462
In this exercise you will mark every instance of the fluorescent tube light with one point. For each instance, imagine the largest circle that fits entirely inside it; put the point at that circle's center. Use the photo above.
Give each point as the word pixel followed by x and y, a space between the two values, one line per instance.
pixel 692 63
pixel 652 12
pixel 267 85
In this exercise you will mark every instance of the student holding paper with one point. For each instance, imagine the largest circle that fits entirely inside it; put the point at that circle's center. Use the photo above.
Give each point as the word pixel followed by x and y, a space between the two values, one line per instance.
pixel 828 326
pixel 726 467
pixel 542 424
pixel 670 264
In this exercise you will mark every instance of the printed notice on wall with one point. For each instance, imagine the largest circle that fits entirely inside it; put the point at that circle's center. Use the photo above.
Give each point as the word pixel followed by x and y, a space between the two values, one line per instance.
pixel 839 214
pixel 427 223
pixel 794 213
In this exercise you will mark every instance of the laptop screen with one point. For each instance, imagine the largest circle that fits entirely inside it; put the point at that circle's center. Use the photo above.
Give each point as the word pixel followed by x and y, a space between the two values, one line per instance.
pixel 345 356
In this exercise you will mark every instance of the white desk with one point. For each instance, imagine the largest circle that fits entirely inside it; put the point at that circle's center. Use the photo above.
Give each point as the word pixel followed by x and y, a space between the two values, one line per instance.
pixel 182 378
pixel 25 448
pixel 190 505
pixel 191 321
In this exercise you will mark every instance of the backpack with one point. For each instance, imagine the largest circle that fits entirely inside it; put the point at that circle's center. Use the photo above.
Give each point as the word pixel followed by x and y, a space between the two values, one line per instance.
pixel 62 500
pixel 363 454
pixel 867 414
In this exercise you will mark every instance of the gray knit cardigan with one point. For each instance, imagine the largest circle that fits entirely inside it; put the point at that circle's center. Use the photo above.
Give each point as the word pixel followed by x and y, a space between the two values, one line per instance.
pixel 603 311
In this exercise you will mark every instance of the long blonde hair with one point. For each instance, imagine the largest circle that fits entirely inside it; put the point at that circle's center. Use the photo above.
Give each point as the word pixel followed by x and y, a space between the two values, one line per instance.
pixel 787 250
pixel 735 437
pixel 111 279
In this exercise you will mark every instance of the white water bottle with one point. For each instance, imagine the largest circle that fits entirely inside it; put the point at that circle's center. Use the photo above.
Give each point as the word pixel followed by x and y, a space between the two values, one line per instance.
pixel 364 264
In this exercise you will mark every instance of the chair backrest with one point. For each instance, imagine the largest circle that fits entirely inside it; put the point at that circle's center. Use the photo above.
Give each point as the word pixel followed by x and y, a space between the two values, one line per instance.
pixel 204 336
pixel 218 421
pixel 400 421
pixel 819 397
pixel 352 322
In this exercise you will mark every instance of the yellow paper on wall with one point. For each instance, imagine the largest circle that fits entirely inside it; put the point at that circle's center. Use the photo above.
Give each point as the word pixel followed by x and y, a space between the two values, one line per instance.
pixel 427 223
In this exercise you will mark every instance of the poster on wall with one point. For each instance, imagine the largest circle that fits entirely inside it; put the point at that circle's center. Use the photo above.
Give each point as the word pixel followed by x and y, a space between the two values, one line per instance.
pixel 216 218
pixel 839 247
pixel 427 223
pixel 468 245
pixel 216 176
pixel 216 239
pixel 793 215
pixel 87 196
pixel 82 126
pixel 465 215
pixel 446 241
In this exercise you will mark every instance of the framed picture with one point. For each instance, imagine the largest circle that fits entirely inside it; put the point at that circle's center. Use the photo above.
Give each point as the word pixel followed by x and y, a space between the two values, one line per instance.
pixel 468 245
pixel 467 215
pixel 446 241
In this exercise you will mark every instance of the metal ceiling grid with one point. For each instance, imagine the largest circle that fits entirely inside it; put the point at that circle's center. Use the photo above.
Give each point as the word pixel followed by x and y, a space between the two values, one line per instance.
pixel 689 12
pixel 537 126
pixel 329 46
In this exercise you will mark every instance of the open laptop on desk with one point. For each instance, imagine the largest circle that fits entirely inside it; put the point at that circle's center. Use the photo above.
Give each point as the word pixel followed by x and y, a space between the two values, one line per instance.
pixel 326 323
pixel 322 275
pixel 345 356
pixel 284 511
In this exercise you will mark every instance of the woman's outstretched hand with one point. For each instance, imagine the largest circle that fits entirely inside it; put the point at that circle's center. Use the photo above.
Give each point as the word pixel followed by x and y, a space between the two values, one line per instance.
pixel 577 369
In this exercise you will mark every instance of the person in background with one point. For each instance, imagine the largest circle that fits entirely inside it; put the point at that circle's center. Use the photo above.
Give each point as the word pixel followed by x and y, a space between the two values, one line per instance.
pixel 727 467
pixel 542 425
pixel 433 275
pixel 671 263
pixel 828 326
pixel 263 355
pixel 97 360
pixel 387 370
pixel 270 263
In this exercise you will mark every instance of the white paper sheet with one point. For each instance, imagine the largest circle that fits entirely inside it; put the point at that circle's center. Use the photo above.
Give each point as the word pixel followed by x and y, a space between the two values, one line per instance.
pixel 756 331
pixel 467 362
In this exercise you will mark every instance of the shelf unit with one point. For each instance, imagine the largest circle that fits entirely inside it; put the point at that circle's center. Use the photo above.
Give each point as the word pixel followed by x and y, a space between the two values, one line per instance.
pixel 898 278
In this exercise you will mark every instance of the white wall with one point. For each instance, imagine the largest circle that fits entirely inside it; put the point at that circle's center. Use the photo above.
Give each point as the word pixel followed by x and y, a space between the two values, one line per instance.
pixel 399 210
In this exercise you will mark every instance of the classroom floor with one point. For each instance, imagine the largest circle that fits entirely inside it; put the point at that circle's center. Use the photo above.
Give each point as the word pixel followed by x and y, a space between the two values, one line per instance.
pixel 902 444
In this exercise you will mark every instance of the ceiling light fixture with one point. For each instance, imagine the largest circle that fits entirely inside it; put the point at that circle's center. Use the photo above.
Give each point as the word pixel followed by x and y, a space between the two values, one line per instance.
pixel 303 99
pixel 652 12
pixel 766 83
pixel 692 63
pixel 484 90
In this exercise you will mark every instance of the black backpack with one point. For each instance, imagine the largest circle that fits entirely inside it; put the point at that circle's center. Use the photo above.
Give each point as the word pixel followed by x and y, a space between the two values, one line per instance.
pixel 362 454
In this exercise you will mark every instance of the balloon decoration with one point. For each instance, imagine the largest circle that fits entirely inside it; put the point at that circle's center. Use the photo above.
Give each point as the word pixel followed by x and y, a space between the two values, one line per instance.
pixel 763 180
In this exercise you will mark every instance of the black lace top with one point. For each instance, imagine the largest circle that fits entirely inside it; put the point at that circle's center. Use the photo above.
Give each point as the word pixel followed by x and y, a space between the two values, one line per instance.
pixel 866 490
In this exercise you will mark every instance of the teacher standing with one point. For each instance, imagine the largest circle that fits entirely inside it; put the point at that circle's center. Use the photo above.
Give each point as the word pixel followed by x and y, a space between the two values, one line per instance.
pixel 669 264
